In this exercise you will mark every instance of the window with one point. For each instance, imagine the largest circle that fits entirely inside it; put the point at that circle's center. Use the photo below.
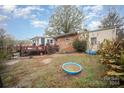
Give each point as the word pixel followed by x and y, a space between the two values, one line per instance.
pixel 67 39
pixel 51 41
pixel 93 41
pixel 47 40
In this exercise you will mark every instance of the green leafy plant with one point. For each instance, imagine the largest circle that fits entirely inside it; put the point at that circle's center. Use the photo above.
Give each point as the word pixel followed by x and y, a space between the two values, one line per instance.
pixel 111 50
pixel 122 58
pixel 80 45
pixel 112 55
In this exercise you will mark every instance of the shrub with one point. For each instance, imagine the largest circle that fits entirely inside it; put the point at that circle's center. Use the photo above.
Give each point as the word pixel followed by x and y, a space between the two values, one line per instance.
pixel 111 50
pixel 112 55
pixel 122 58
pixel 3 56
pixel 80 45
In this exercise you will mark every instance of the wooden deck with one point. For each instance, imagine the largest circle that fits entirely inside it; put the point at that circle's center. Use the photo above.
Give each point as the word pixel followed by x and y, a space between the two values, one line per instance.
pixel 36 50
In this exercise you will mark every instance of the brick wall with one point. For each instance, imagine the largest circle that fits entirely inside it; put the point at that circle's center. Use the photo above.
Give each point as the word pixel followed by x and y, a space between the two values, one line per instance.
pixel 66 43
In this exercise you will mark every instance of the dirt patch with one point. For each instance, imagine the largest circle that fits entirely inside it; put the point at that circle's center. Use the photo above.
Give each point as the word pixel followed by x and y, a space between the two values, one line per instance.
pixel 47 61
pixel 12 62
pixel 57 55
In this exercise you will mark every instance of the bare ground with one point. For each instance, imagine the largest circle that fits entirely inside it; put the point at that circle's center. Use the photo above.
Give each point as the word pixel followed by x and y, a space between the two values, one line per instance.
pixel 46 71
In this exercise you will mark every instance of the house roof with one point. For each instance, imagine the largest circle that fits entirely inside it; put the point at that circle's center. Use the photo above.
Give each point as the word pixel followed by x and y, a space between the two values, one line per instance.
pixel 67 34
pixel 101 29
pixel 36 37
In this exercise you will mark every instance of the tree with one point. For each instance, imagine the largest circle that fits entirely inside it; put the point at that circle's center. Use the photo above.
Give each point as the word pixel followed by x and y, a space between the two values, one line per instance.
pixel 2 36
pixel 5 40
pixel 2 33
pixel 112 19
pixel 65 19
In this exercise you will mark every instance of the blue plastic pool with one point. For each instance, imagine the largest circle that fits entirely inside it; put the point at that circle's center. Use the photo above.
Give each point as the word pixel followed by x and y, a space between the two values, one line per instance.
pixel 91 52
pixel 71 72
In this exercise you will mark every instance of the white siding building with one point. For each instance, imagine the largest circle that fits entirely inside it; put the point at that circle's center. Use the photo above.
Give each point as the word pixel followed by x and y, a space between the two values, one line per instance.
pixel 38 40
pixel 98 36
pixel 49 40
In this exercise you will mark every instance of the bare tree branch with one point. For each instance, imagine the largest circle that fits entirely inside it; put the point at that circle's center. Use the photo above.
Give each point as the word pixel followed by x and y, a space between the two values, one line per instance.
pixel 112 19
pixel 65 19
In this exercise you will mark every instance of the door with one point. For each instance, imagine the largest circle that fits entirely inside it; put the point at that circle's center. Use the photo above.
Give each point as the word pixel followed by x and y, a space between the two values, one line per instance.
pixel 42 41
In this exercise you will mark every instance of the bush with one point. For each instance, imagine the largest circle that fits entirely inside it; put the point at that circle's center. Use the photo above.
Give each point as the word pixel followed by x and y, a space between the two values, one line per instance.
pixel 3 56
pixel 112 55
pixel 111 50
pixel 122 58
pixel 80 45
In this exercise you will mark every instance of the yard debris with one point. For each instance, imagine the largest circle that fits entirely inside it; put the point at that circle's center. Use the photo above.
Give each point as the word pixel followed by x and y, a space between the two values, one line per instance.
pixel 113 73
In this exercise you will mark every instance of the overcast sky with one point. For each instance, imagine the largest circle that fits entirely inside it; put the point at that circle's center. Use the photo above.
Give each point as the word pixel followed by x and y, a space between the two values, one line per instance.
pixel 25 22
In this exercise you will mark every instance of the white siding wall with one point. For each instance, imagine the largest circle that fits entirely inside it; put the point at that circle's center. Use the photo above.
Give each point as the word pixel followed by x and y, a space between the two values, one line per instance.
pixel 45 41
pixel 49 38
pixel 100 36
pixel 40 41
pixel 36 41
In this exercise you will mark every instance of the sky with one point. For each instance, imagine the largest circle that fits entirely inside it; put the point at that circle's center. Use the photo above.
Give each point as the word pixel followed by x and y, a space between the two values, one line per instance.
pixel 27 21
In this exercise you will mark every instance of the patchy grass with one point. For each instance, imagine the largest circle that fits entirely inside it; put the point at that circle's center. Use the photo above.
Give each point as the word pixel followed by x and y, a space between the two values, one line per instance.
pixel 33 73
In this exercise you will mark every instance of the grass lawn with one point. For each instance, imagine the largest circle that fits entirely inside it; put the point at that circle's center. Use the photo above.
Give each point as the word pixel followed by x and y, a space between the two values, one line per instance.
pixel 34 73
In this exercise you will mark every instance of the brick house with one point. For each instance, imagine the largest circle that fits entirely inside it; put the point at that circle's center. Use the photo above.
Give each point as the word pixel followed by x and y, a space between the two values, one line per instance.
pixel 94 39
pixel 65 42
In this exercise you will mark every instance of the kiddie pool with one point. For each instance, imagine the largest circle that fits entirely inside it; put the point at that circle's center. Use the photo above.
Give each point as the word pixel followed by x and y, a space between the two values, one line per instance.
pixel 91 52
pixel 71 72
